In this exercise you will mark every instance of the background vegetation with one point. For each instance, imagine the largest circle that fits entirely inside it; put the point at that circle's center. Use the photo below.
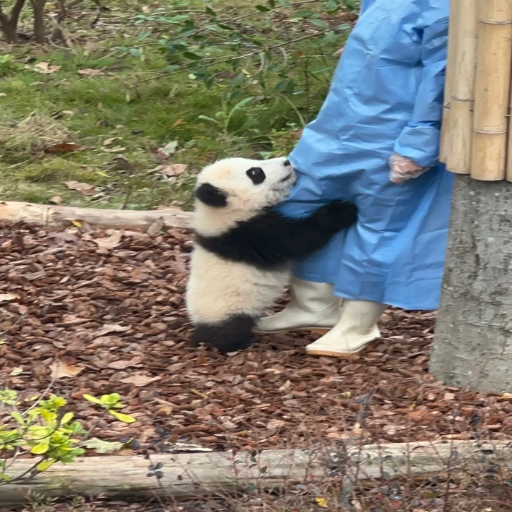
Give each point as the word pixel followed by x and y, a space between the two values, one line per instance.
pixel 125 102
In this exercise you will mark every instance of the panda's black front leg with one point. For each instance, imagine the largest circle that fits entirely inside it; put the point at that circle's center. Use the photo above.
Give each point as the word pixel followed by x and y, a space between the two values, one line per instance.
pixel 229 335
pixel 304 236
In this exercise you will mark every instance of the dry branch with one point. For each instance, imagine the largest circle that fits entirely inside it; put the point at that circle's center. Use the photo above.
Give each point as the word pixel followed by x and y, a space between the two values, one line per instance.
pixel 192 475
pixel 46 215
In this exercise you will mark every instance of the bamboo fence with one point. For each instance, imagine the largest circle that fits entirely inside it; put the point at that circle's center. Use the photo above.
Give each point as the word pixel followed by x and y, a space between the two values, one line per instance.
pixel 476 138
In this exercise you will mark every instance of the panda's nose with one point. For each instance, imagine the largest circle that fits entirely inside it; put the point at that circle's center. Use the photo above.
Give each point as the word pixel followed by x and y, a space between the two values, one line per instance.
pixel 287 163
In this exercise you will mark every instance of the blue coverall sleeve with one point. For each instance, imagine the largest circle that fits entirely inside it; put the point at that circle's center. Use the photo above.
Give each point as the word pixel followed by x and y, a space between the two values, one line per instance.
pixel 365 4
pixel 420 139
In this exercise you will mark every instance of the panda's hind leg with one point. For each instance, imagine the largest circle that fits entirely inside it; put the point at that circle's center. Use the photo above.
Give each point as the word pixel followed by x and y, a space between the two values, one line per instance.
pixel 229 335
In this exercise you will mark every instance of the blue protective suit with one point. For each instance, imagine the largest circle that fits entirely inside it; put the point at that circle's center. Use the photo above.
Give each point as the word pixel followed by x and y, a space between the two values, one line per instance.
pixel 386 97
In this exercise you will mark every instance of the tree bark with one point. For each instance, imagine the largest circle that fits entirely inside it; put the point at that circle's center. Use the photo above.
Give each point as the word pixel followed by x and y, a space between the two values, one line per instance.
pixel 39 28
pixel 9 31
pixel 473 338
pixel 9 24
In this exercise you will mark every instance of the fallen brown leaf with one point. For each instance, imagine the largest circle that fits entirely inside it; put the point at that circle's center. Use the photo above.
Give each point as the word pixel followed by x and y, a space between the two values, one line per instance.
pixel 64 147
pixel 156 226
pixel 46 68
pixel 122 365
pixel 173 169
pixel 108 328
pixel 109 243
pixel 61 369
pixel 85 188
pixel 6 297
pixel 140 380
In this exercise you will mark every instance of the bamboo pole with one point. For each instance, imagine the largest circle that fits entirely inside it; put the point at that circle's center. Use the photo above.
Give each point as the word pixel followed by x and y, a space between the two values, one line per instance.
pixel 509 149
pixel 186 476
pixel 492 90
pixel 47 215
pixel 463 87
pixel 450 72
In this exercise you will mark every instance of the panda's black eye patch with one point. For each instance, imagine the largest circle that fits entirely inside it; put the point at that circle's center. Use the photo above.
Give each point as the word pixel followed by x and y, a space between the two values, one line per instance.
pixel 256 175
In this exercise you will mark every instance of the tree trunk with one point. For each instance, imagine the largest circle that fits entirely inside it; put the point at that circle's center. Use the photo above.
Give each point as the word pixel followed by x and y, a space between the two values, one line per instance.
pixel 9 24
pixel 39 32
pixel 9 31
pixel 473 338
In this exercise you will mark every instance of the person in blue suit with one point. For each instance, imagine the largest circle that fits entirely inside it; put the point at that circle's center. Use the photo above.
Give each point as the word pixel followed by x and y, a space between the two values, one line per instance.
pixel 375 142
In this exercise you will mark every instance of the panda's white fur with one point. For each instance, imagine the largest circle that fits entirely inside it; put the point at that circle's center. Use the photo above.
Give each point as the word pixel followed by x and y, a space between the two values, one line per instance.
pixel 243 247
pixel 245 289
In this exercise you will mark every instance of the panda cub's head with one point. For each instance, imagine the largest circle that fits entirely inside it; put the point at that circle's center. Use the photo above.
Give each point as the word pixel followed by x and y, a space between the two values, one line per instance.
pixel 236 189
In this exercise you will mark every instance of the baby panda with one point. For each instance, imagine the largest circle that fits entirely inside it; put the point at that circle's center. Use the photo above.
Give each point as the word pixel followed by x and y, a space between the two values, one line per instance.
pixel 244 249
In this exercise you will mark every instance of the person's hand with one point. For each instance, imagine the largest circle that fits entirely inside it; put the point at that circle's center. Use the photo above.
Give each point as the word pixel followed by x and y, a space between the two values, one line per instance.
pixel 403 169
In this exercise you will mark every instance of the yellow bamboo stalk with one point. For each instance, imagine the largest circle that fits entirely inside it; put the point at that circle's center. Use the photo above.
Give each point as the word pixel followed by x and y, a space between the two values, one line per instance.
pixel 463 87
pixel 450 71
pixel 492 90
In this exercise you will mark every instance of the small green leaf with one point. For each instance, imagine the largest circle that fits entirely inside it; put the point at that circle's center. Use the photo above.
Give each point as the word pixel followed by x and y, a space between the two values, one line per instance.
pixel 92 399
pixel 125 418
pixel 192 56
pixel 319 23
pixel 66 418
pixel 46 464
pixel 262 8
pixel 206 118
pixel 40 448
pixel 18 417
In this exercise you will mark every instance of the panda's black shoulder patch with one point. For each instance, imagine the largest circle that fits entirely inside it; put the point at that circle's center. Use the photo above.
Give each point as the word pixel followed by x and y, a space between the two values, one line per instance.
pixel 270 240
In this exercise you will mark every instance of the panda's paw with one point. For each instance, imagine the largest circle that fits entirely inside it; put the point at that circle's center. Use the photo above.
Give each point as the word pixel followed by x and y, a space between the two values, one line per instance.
pixel 338 214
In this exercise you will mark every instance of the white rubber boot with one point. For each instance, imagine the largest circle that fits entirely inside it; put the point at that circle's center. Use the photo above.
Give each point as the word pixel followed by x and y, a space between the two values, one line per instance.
pixel 312 307
pixel 354 332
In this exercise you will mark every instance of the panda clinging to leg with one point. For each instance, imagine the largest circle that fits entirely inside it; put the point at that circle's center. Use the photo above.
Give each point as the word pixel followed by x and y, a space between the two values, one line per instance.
pixel 244 249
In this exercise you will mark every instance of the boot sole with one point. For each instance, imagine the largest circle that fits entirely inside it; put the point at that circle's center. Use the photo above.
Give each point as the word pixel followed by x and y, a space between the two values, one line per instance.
pixel 343 355
pixel 315 330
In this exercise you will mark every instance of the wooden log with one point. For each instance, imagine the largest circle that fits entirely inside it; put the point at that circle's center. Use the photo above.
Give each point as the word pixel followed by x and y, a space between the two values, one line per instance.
pixel 445 148
pixel 47 215
pixel 191 475
pixel 463 87
pixel 492 90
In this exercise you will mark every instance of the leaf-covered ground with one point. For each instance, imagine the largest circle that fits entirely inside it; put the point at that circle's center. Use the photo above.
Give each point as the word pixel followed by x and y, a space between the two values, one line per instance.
pixel 109 307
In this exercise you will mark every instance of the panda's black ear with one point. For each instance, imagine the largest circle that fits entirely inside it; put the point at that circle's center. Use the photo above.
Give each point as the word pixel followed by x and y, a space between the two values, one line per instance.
pixel 212 196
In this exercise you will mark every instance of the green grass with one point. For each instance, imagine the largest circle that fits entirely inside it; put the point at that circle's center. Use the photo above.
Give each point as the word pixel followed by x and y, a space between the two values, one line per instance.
pixel 141 115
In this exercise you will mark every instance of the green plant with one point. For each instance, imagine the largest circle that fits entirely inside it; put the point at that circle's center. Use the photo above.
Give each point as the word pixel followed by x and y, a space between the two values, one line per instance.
pixel 8 64
pixel 224 116
pixel 208 44
pixel 109 404
pixel 46 431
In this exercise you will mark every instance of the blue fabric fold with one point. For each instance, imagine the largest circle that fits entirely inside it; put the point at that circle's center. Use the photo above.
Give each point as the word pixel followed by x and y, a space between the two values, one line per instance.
pixel 386 96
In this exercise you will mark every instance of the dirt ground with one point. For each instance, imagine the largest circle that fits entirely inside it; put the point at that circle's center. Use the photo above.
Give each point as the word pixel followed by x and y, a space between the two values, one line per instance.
pixel 111 310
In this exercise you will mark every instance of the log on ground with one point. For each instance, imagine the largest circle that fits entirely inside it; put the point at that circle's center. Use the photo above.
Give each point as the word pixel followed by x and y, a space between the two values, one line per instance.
pixel 48 215
pixel 193 475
